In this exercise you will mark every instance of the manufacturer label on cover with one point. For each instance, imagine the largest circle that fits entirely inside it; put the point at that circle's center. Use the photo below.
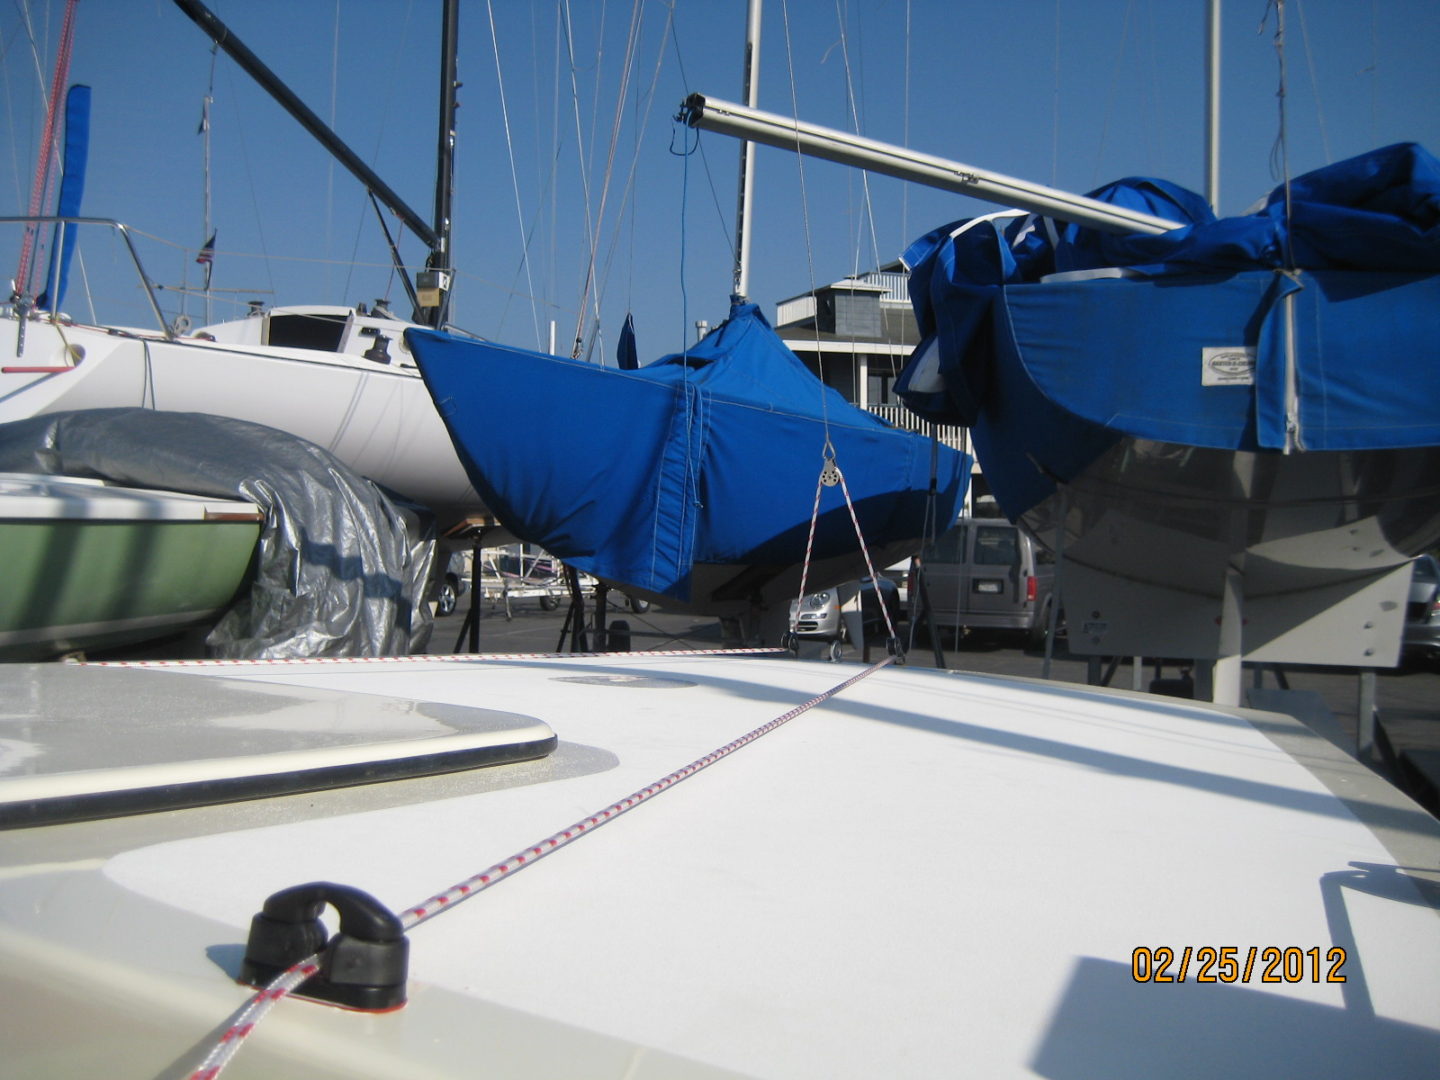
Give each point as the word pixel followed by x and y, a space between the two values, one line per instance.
pixel 1229 365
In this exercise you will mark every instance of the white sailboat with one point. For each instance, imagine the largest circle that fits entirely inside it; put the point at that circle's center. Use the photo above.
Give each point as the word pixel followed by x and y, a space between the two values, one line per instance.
pixel 340 377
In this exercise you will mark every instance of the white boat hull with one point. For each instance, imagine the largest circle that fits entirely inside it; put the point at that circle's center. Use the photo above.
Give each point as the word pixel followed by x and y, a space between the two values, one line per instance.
pixel 376 418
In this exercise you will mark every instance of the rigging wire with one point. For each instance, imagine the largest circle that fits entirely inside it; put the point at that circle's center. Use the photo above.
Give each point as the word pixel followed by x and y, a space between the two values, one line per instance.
pixel 330 160
pixel 726 226
pixel 627 194
pixel 905 133
pixel 852 104
pixel 805 210
pixel 685 154
pixel 1110 97
pixel 1280 150
pixel 622 92
pixel 397 269
pixel 552 284
pixel 205 231
pixel 1314 83
pixel 1054 106
pixel 264 256
pixel 514 171
pixel 569 41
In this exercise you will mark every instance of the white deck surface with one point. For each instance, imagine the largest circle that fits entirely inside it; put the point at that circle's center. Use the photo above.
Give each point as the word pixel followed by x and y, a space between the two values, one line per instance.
pixel 929 875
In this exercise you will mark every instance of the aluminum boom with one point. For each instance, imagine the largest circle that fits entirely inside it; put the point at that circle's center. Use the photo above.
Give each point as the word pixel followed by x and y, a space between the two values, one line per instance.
pixel 727 118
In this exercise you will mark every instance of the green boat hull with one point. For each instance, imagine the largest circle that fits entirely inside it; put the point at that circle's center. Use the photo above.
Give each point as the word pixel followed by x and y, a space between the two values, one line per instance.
pixel 75 585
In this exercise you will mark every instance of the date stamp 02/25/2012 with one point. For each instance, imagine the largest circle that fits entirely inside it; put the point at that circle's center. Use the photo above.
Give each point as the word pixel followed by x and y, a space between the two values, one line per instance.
pixel 1232 964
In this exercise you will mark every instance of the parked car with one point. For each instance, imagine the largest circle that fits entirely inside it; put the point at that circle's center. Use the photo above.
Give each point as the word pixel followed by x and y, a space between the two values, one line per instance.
pixel 899 573
pixel 453 585
pixel 1422 613
pixel 986 574
pixel 817 615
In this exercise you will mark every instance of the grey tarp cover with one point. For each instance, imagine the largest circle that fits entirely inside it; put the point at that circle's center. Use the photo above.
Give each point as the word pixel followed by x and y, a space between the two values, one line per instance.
pixel 342 567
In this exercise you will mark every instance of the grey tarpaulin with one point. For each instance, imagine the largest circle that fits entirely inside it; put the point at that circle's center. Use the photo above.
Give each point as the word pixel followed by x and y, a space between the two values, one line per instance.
pixel 342 567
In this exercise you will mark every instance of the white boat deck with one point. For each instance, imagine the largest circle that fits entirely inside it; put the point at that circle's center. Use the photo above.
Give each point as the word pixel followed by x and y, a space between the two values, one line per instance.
pixel 931 874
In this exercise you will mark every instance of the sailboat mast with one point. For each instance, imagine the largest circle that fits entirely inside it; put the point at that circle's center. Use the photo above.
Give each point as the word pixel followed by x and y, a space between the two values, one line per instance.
pixel 1212 104
pixel 435 283
pixel 750 89
pixel 205 231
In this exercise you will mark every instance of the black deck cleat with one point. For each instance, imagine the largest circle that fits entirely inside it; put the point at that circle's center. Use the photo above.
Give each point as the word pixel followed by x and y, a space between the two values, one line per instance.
pixel 364 966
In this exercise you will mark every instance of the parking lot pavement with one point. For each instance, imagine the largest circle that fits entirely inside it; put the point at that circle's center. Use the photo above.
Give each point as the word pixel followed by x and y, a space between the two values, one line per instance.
pixel 1407 698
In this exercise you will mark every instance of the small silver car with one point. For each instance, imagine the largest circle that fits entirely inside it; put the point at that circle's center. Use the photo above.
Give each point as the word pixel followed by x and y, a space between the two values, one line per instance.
pixel 817 615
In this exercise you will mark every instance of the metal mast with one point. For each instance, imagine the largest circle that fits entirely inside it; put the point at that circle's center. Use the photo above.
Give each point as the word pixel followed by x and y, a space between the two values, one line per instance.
pixel 750 88
pixel 1212 104
pixel 432 305
pixel 434 283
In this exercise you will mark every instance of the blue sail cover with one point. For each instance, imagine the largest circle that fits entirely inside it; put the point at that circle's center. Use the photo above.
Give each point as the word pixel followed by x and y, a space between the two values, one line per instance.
pixel 1183 337
pixel 706 456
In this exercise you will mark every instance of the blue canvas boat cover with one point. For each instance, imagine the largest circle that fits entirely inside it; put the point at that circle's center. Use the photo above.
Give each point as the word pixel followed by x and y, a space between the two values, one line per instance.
pixel 1183 337
pixel 707 456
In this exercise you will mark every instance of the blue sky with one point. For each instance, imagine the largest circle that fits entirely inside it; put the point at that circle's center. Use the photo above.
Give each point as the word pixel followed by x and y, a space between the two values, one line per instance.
pixel 1072 93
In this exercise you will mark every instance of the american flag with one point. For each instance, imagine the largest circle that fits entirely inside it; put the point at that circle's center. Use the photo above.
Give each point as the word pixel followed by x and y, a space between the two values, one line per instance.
pixel 207 253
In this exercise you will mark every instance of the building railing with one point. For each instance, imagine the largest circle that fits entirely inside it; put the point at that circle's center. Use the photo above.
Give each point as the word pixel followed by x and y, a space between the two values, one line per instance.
pixel 795 310
pixel 897 286
pixel 951 435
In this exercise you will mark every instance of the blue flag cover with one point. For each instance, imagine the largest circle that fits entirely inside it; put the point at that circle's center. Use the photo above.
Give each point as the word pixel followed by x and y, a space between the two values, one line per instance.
pixel 706 456
pixel 626 355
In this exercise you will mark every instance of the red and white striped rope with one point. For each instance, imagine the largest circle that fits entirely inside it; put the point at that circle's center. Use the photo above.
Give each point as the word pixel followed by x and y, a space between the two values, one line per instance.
pixel 45 167
pixel 449 658
pixel 830 463
pixel 869 564
pixel 284 984
pixel 228 1045
pixel 814 520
